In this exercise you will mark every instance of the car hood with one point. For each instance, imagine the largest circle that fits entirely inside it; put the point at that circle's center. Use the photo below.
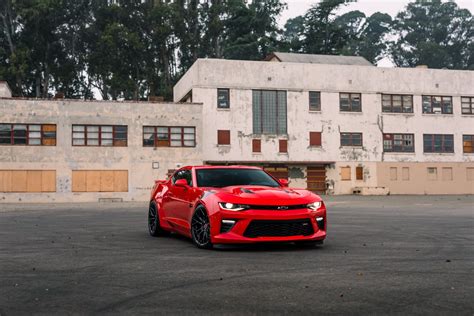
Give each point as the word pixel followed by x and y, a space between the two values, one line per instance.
pixel 262 195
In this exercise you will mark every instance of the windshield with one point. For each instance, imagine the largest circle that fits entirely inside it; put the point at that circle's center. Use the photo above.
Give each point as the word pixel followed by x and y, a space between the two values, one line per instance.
pixel 220 178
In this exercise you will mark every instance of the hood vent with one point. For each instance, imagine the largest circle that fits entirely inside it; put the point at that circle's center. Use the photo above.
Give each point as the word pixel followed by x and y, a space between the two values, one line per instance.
pixel 246 191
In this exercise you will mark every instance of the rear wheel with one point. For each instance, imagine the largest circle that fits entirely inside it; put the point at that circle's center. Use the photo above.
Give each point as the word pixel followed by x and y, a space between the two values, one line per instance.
pixel 201 228
pixel 154 227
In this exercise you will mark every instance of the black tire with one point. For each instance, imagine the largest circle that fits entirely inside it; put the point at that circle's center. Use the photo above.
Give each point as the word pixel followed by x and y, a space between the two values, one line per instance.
pixel 201 228
pixel 309 243
pixel 154 227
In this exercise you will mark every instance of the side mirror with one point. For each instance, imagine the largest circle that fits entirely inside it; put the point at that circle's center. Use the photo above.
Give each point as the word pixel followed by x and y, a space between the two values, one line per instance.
pixel 283 182
pixel 181 183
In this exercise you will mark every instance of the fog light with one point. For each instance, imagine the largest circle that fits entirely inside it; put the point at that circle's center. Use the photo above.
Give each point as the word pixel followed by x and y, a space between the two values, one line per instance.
pixel 226 225
pixel 320 222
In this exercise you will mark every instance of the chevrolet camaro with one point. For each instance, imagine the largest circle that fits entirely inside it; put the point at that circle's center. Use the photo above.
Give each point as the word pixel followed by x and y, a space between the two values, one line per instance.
pixel 234 204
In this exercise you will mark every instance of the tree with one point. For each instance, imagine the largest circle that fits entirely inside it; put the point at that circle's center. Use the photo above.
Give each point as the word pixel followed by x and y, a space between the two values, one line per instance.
pixel 435 34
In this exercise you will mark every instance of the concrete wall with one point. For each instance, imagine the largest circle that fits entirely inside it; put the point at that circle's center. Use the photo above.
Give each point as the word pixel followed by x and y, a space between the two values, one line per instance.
pixel 5 91
pixel 64 157
pixel 241 77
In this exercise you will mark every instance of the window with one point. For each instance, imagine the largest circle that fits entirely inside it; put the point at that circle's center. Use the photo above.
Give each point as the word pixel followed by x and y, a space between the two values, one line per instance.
pixel 351 139
pixel 28 134
pixel 100 181
pixel 437 104
pixel 468 143
pixel 405 173
pixel 256 145
pixel 467 105
pixel 27 181
pixel 397 103
pixel 223 137
pixel 183 174
pixel 315 101
pixel 99 135
pixel 167 136
pixel 359 173
pixel 283 145
pixel 393 174
pixel 350 102
pixel 223 101
pixel 447 174
pixel 435 143
pixel 345 173
pixel 315 139
pixel 469 174
pixel 269 112
pixel 398 143
pixel 432 173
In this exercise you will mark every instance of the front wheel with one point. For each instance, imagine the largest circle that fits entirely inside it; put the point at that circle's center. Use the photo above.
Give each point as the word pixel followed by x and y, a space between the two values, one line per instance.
pixel 154 227
pixel 201 228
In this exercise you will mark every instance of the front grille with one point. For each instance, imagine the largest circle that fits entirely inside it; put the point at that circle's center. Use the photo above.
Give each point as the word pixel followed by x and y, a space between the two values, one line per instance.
pixel 265 228
pixel 278 207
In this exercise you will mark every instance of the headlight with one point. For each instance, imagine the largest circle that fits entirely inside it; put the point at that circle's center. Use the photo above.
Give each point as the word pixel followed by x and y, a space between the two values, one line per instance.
pixel 233 207
pixel 314 206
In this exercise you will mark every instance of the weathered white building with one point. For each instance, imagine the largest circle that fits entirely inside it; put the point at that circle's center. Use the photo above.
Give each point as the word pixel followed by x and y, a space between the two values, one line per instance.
pixel 333 124
pixel 338 124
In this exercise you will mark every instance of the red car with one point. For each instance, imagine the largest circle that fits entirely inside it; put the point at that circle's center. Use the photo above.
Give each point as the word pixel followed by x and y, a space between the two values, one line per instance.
pixel 235 204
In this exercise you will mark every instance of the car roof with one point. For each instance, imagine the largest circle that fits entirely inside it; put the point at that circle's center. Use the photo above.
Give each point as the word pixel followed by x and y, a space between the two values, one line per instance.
pixel 226 167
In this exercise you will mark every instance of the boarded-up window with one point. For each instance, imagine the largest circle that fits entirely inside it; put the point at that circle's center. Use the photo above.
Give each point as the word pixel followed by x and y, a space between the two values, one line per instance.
pixel 432 173
pixel 277 172
pixel 470 174
pixel 359 173
pixel 405 173
pixel 345 173
pixel 468 143
pixel 223 137
pixel 283 145
pixel 315 139
pixel 256 145
pixel 27 181
pixel 393 173
pixel 447 174
pixel 99 181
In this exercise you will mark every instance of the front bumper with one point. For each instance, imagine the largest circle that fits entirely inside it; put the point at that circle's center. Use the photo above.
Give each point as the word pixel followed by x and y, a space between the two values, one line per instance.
pixel 237 234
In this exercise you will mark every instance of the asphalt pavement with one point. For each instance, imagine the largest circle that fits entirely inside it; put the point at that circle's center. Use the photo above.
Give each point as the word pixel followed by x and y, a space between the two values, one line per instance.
pixel 383 255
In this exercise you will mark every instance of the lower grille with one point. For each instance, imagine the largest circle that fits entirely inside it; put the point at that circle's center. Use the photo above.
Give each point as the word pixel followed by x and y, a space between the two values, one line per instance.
pixel 265 228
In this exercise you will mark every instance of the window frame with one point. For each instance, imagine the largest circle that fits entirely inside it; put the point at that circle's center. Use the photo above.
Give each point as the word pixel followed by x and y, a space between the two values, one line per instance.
pixel 464 136
pixel 392 140
pixel 401 104
pixel 351 94
pixel 99 137
pixel 317 107
pixel 441 104
pixel 27 137
pixel 227 90
pixel 156 140
pixel 352 139
pixel 471 105
pixel 277 126
pixel 443 142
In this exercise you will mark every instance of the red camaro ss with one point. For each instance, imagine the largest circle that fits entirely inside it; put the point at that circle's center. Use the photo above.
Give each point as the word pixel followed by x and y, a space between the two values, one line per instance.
pixel 235 204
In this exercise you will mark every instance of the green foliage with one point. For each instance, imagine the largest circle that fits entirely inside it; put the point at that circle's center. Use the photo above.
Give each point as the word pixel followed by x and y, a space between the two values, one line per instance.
pixel 136 49
pixel 433 33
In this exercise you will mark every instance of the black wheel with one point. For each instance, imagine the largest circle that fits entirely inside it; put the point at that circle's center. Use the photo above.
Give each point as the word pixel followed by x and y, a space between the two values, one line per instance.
pixel 309 243
pixel 201 228
pixel 154 227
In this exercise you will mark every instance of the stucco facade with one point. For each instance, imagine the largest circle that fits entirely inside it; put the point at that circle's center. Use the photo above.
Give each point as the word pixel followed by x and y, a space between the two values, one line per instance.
pixel 128 172
pixel 297 79
pixel 143 164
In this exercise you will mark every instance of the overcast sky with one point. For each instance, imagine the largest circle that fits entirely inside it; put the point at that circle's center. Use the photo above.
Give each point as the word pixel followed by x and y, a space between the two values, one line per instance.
pixel 392 7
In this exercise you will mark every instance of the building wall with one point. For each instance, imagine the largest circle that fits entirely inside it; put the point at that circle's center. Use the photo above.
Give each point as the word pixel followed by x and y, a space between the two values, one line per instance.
pixel 64 158
pixel 241 77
